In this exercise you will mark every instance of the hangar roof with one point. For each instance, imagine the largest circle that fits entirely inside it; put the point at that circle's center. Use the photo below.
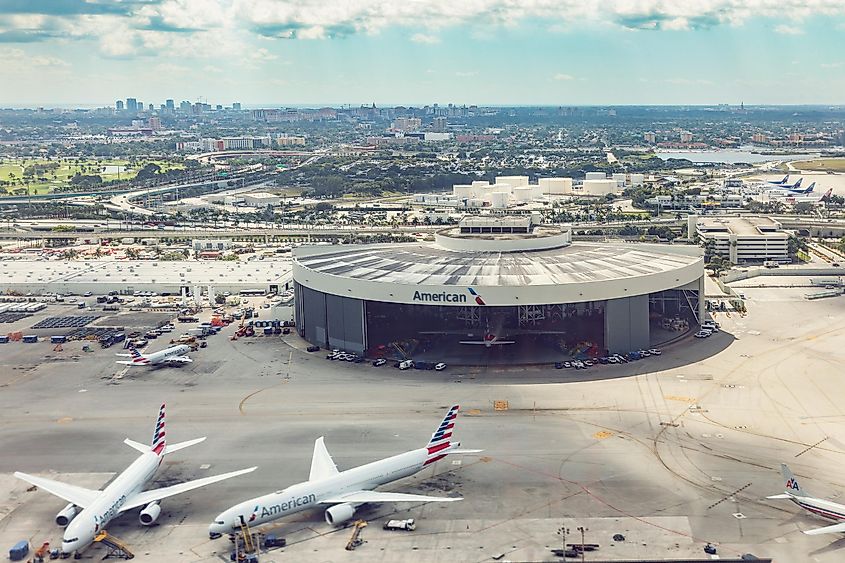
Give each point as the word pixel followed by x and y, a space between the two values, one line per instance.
pixel 421 264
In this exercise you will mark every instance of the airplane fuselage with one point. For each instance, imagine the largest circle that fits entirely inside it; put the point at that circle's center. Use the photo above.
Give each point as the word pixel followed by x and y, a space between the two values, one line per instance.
pixel 80 532
pixel 820 507
pixel 309 494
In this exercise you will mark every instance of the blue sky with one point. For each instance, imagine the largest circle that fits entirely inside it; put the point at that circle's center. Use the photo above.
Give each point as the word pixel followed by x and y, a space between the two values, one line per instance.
pixel 556 52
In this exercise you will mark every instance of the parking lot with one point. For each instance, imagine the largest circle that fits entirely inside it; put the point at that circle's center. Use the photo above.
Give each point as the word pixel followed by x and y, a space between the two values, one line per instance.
pixel 671 451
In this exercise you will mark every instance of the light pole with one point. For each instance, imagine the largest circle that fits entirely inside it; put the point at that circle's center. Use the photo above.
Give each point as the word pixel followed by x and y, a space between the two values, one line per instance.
pixel 582 529
pixel 562 531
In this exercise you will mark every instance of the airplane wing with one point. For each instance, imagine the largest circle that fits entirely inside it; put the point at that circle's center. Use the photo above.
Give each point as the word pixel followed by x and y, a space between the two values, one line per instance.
pixel 374 496
pixel 79 496
pixel 487 343
pixel 131 364
pixel 835 529
pixel 146 497
pixel 322 464
pixel 180 360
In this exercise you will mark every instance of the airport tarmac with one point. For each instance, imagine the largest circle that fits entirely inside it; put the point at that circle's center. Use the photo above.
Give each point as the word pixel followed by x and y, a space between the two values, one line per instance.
pixel 678 454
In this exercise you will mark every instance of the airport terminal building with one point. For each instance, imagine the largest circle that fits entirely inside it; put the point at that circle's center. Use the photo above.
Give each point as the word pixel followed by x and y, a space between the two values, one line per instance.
pixel 493 284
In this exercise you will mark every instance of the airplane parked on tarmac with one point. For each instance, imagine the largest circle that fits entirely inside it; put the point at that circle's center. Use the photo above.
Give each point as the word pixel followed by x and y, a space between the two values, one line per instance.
pixel 124 493
pixel 781 182
pixel 346 490
pixel 820 507
pixel 172 355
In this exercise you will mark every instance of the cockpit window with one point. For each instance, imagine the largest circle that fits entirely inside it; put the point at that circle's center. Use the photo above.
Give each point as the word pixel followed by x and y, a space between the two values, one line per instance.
pixel 71 540
pixel 219 522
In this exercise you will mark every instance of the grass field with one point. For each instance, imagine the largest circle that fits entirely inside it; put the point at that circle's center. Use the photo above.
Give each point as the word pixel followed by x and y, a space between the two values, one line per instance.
pixel 12 170
pixel 822 164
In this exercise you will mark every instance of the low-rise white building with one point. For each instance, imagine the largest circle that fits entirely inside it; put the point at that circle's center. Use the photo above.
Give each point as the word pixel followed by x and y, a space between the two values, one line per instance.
pixel 262 199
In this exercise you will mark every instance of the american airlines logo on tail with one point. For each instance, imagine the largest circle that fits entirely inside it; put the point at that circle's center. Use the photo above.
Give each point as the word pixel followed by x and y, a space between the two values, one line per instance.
pixel 792 484
pixel 158 443
pixel 440 439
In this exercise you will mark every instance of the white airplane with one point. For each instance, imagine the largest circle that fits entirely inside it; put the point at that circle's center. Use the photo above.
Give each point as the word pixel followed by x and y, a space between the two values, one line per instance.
pixel 172 355
pixel 343 490
pixel 489 340
pixel 124 493
pixel 820 507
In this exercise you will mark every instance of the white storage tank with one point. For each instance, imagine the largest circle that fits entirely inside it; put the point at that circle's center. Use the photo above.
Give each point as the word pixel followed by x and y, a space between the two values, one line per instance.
pixel 512 180
pixel 507 188
pixel 523 193
pixel 599 187
pixel 463 191
pixel 475 202
pixel 637 179
pixel 499 200
pixel 596 176
pixel 555 186
pixel 620 179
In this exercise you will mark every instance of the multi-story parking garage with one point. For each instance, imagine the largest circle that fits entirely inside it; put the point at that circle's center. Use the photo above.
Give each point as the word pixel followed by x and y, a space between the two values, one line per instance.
pixel 496 285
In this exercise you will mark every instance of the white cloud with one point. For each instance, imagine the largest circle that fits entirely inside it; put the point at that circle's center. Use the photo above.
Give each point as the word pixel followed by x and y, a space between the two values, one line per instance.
pixel 788 30
pixel 466 73
pixel 194 27
pixel 19 61
pixel 838 64
pixel 563 76
pixel 425 38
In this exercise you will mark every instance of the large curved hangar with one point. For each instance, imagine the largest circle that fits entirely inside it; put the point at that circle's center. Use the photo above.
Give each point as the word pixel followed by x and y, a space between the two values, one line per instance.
pixel 533 290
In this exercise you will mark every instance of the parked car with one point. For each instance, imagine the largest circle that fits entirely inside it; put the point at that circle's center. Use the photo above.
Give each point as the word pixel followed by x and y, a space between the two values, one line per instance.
pixel 312 348
pixel 380 362
pixel 558 365
pixel 702 334
pixel 567 365
pixel 439 366
pixel 406 364
pixel 654 351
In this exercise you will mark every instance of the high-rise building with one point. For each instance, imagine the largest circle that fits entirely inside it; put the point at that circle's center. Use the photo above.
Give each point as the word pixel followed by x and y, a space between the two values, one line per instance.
pixel 686 137
pixel 407 123
pixel 236 106
pixel 131 104
pixel 118 105
pixel 650 137
pixel 438 124
pixel 155 123
pixel 151 107
pixel 139 106
pixel 171 107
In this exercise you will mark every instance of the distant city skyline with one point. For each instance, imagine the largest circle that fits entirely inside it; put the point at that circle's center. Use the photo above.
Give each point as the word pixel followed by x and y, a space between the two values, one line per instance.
pixel 308 53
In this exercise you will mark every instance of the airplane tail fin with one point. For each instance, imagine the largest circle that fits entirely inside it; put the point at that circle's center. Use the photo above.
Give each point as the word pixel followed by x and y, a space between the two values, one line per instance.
pixel 827 195
pixel 792 487
pixel 159 443
pixel 441 439
pixel 798 184
pixel 810 188
pixel 134 353
pixel 785 179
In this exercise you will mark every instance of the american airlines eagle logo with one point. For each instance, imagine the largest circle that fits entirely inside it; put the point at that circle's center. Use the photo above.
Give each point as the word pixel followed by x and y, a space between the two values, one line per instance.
pixel 478 299
pixel 792 484
pixel 254 514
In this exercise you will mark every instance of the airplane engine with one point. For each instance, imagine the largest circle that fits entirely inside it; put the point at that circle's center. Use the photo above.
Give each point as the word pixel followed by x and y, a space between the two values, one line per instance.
pixel 150 514
pixel 339 513
pixel 67 514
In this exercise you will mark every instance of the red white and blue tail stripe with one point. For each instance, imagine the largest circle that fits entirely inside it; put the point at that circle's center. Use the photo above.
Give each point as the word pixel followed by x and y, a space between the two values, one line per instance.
pixel 137 357
pixel 159 441
pixel 441 439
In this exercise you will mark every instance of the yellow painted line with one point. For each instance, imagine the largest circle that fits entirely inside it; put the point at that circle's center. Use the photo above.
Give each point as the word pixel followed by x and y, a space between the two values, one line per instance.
pixel 681 399
pixel 64 420
pixel 472 412
pixel 602 434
